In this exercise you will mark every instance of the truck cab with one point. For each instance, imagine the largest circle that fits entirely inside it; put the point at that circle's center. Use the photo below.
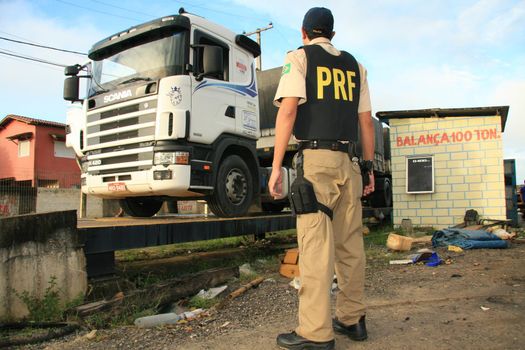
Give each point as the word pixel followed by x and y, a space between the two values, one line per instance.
pixel 171 112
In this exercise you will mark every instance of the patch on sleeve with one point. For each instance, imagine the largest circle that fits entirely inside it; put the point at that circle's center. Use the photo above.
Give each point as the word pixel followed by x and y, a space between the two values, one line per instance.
pixel 286 69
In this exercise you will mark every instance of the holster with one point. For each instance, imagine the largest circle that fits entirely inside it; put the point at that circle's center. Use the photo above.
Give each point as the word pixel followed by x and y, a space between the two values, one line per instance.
pixel 302 195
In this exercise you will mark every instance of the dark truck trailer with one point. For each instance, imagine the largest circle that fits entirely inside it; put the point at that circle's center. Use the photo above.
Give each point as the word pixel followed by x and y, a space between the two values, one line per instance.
pixel 267 82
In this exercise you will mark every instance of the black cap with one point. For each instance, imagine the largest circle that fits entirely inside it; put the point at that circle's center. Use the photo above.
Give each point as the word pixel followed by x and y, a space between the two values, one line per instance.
pixel 319 21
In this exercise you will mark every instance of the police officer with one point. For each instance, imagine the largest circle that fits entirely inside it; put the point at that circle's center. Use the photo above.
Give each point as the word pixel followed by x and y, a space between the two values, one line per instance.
pixel 323 97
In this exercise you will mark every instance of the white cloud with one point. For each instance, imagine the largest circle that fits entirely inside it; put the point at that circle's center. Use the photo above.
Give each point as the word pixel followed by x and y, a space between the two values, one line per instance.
pixel 30 88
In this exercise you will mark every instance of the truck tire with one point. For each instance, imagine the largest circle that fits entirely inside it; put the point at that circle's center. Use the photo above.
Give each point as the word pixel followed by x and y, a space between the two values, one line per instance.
pixel 140 206
pixel 382 196
pixel 233 192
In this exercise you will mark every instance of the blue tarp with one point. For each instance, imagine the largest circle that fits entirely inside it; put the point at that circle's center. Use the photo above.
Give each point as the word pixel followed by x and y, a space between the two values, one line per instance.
pixel 467 239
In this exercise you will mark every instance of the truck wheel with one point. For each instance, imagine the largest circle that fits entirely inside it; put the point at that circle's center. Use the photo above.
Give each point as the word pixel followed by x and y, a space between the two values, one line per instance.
pixel 382 196
pixel 233 193
pixel 140 206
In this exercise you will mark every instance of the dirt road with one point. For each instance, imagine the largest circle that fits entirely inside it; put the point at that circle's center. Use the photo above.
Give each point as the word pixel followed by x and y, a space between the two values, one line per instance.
pixel 475 302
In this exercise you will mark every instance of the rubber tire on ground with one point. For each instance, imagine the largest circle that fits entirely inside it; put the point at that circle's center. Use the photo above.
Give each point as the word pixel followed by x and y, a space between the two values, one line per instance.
pixel 140 206
pixel 233 191
pixel 382 196
pixel 272 207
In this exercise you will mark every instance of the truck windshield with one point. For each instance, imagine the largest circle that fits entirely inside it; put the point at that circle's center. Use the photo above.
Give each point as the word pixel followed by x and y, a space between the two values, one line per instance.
pixel 145 61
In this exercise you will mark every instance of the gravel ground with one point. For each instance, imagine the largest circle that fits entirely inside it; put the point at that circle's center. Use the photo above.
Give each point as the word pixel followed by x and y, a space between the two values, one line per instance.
pixel 477 301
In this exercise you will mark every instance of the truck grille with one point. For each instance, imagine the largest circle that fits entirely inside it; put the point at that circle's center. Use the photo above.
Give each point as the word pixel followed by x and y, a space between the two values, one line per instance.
pixel 120 139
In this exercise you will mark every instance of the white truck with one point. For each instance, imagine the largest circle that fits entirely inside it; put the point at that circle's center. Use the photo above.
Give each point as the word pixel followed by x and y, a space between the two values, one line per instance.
pixel 171 112
pixel 175 110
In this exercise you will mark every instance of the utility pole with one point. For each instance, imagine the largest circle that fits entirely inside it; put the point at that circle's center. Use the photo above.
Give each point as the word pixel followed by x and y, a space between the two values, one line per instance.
pixel 258 32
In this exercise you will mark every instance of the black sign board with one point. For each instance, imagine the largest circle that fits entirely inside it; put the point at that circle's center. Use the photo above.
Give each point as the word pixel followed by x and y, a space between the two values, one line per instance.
pixel 420 174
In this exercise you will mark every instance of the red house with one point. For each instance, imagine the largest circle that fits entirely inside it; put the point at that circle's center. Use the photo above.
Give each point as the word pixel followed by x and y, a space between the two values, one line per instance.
pixel 33 154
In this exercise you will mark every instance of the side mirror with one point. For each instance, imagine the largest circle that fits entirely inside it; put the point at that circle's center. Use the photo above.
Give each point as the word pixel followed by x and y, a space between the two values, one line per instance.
pixel 212 61
pixel 72 70
pixel 71 89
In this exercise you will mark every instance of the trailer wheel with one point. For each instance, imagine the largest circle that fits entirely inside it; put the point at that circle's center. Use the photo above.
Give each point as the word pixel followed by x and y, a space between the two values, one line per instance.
pixel 233 193
pixel 382 196
pixel 140 206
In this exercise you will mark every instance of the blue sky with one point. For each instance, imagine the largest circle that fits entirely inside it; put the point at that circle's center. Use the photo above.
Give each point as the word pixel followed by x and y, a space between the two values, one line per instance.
pixel 419 54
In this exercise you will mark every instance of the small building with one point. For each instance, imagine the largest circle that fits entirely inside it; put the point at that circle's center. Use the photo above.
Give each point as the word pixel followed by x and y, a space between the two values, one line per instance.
pixel 445 162
pixel 32 154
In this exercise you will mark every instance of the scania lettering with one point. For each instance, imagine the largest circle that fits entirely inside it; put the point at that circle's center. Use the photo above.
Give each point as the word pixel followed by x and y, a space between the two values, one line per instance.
pixel 175 109
pixel 117 96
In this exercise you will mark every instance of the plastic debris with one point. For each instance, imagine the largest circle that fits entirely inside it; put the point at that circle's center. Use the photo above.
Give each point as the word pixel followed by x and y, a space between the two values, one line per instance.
pixel 211 293
pixel 296 283
pixel 456 249
pixel 401 262
pixel 163 319
pixel 246 269
pixel 434 260
pixel 485 308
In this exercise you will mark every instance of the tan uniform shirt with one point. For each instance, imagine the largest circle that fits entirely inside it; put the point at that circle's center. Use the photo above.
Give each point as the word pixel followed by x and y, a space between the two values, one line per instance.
pixel 292 83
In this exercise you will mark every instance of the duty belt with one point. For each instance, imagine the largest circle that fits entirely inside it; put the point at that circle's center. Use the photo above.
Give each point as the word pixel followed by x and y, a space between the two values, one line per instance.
pixel 339 146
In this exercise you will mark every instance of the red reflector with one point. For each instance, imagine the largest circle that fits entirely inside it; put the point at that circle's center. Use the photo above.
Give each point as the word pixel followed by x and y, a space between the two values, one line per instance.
pixel 207 167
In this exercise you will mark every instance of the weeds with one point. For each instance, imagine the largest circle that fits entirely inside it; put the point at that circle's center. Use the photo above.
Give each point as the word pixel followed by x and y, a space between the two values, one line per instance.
pixel 198 302
pixel 45 309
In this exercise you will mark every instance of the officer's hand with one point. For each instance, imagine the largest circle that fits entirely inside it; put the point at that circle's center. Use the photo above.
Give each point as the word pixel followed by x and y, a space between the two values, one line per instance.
pixel 275 185
pixel 368 189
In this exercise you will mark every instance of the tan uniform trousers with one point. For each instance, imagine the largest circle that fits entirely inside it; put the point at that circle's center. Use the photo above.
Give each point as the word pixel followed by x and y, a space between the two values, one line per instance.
pixel 325 244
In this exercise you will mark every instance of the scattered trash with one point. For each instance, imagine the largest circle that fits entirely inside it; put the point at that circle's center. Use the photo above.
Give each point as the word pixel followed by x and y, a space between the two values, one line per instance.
pixel 290 264
pixel 501 233
pixel 366 230
pixel 225 324
pixel 401 262
pixel 434 260
pixel 246 269
pixel 398 242
pixel 485 308
pixel 456 249
pixel 91 335
pixel 424 256
pixel 211 293
pixel 403 243
pixel 296 283
pixel 467 239
pixel 163 319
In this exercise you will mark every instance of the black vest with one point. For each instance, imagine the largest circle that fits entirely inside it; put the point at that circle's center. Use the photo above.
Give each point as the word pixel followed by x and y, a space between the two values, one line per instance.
pixel 333 84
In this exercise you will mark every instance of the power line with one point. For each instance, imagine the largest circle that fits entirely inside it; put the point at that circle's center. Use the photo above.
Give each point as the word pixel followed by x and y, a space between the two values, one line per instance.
pixel 98 11
pixel 123 8
pixel 42 46
pixel 32 59
pixel 36 63
pixel 222 12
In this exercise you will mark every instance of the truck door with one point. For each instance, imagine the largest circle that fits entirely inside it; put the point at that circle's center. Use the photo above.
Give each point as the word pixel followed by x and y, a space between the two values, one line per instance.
pixel 247 101
pixel 213 101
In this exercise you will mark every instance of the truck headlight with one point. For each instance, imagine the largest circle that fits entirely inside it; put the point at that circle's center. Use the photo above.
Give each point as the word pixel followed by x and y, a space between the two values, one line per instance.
pixel 166 158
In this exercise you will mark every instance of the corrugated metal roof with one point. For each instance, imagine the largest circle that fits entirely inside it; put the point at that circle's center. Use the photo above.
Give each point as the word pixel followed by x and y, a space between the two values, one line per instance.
pixel 30 121
pixel 502 111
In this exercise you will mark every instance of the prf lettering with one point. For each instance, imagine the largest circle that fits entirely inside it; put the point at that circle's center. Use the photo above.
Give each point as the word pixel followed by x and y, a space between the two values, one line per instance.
pixel 336 79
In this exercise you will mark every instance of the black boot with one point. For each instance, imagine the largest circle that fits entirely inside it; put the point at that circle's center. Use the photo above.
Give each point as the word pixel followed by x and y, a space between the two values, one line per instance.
pixel 355 332
pixel 296 342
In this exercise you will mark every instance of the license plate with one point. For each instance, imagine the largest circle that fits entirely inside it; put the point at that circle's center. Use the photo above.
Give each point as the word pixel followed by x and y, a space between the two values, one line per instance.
pixel 117 186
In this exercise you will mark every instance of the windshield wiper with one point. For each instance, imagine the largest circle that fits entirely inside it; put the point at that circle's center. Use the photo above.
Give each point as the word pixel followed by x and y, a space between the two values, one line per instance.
pixel 131 80
pixel 98 92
